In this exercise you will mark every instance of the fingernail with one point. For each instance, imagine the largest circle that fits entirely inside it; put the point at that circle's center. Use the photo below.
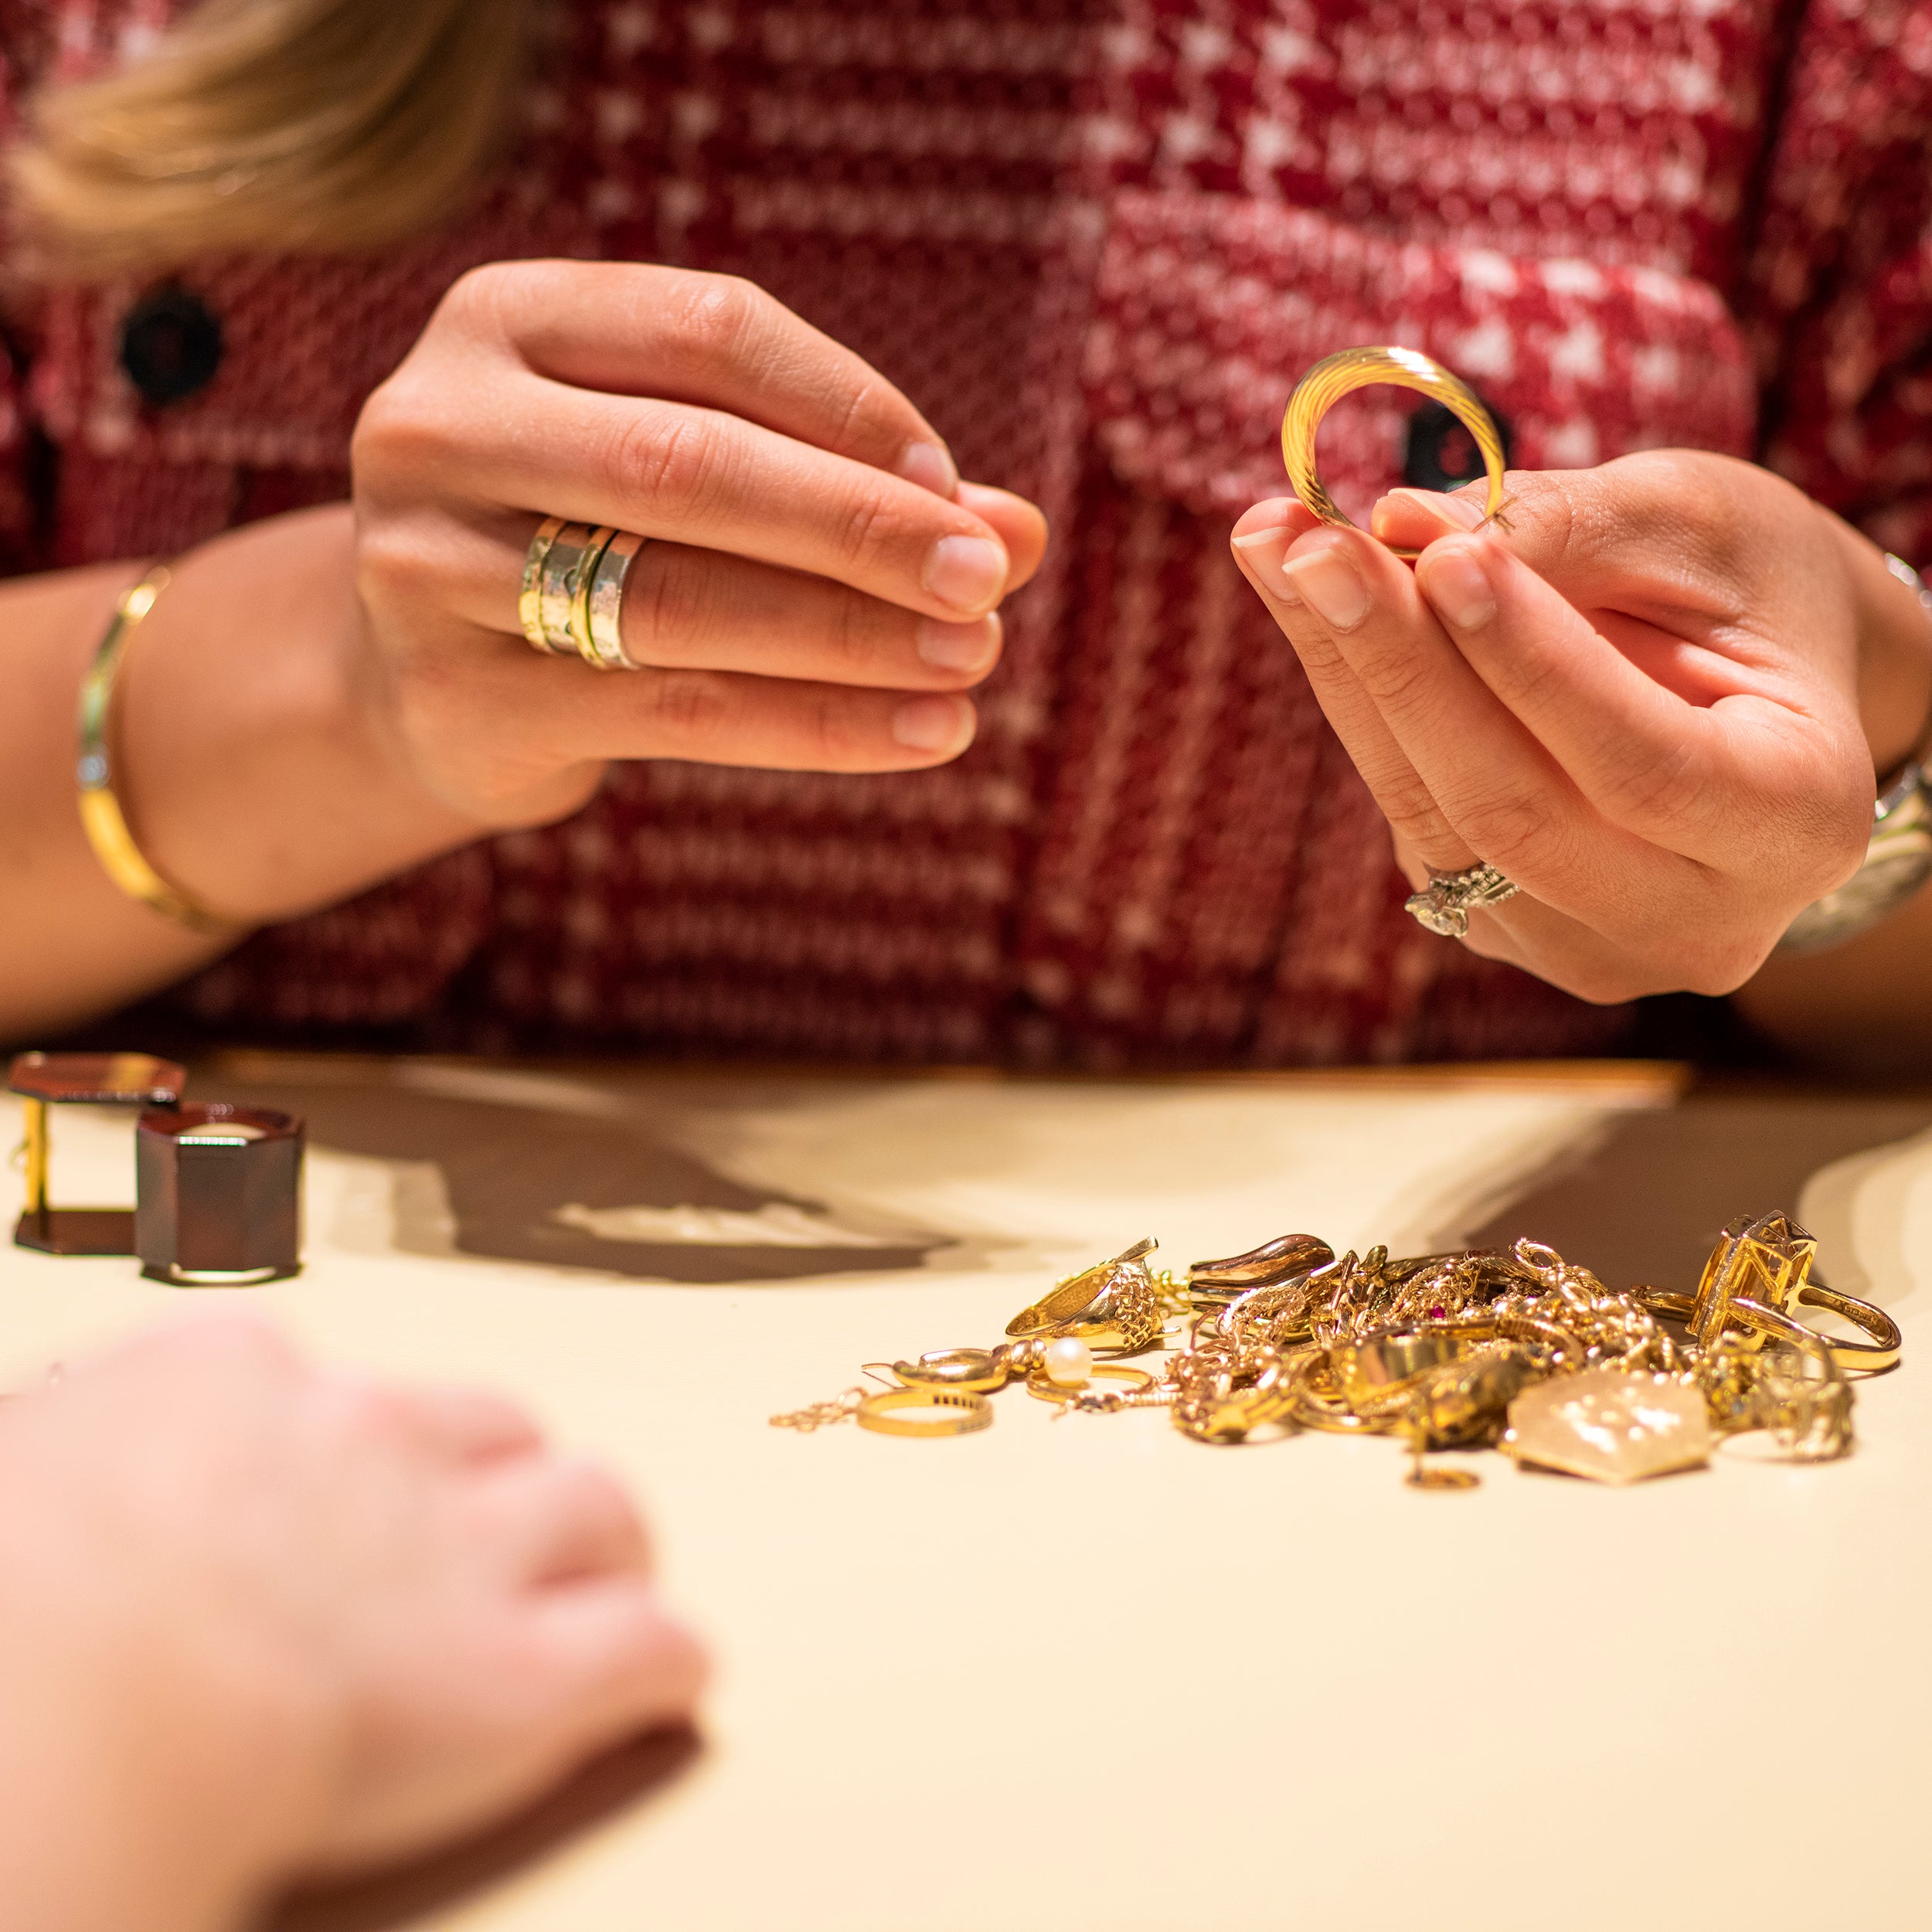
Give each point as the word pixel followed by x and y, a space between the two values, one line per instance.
pixel 957 647
pixel 967 572
pixel 1328 581
pixel 1264 550
pixel 1458 586
pixel 1459 513
pixel 930 465
pixel 934 724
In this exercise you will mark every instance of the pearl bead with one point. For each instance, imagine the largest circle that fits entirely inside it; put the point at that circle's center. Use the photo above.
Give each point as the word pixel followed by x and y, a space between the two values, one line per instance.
pixel 1069 1363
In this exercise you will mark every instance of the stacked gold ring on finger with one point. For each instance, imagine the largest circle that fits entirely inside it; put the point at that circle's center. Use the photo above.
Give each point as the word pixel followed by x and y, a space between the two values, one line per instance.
pixel 580 617
pixel 562 560
pixel 1335 376
pixel 602 597
pixel 571 597
pixel 529 598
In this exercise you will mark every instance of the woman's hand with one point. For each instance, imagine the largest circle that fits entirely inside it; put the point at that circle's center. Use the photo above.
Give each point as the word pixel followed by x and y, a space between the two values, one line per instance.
pixel 322 700
pixel 1640 698
pixel 820 590
pixel 266 1620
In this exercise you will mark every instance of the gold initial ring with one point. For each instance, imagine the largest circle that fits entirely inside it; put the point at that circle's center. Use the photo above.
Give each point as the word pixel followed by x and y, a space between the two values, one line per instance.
pixel 1335 376
pixel 952 1413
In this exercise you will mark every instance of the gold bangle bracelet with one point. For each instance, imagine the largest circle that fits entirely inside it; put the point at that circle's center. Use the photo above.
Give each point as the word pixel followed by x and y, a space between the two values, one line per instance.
pixel 1335 376
pixel 101 817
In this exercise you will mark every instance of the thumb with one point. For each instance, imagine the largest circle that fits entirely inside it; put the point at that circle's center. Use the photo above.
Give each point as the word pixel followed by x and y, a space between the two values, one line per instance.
pixel 1657 518
pixel 1019 525
pixel 1538 514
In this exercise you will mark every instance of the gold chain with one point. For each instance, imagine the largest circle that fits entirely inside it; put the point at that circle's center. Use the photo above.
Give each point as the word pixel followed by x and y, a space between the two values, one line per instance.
pixel 1435 1348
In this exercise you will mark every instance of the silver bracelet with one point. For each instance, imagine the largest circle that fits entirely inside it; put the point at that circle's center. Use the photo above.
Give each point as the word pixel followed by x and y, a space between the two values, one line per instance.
pixel 1898 860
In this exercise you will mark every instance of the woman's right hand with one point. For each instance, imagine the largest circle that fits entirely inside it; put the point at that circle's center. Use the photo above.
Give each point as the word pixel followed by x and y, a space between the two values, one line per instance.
pixel 820 590
pixel 260 1620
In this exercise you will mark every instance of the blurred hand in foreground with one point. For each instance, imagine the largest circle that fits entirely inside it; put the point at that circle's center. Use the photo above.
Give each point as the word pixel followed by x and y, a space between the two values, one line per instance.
pixel 260 1620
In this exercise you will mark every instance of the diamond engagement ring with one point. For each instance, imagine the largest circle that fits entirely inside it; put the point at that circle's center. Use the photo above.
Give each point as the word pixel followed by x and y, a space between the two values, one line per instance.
pixel 1445 903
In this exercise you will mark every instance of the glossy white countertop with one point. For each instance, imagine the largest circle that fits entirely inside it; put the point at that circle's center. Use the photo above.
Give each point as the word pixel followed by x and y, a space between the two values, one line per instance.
pixel 1082 1672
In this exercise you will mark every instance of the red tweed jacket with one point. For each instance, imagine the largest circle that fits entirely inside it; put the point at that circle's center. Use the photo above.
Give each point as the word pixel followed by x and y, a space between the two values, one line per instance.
pixel 1095 240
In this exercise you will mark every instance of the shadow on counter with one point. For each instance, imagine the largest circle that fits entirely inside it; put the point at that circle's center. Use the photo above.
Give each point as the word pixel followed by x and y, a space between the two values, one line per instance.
pixel 405 1896
pixel 600 1192
pixel 1647 1201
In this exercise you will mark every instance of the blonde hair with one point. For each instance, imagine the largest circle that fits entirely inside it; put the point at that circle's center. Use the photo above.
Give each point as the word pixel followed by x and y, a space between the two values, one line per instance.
pixel 327 125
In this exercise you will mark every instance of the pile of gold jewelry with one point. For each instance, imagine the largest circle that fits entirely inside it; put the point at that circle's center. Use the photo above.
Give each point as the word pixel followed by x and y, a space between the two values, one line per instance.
pixel 1516 1349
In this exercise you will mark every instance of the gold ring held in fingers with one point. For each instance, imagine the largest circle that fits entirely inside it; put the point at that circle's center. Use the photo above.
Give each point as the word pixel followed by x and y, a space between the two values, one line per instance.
pixel 1445 903
pixel 952 1412
pixel 1335 376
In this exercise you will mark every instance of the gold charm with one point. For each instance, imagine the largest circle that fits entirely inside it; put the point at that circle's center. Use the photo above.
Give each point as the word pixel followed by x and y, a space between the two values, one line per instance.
pixel 972 1371
pixel 820 1415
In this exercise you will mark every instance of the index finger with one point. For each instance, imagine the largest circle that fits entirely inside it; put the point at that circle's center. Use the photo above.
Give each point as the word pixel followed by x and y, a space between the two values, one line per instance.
pixel 716 341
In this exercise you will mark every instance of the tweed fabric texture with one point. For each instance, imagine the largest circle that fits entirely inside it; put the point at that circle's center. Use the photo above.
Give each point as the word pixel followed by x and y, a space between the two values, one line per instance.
pixel 1095 240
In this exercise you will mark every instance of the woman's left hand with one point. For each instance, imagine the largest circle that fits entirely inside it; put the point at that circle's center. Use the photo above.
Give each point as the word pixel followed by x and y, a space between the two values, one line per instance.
pixel 1653 696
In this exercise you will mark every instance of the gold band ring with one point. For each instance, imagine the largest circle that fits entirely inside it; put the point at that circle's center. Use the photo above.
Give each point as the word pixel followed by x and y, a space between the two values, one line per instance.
pixel 593 550
pixel 1863 1358
pixel 954 1412
pixel 529 596
pixel 602 599
pixel 1336 376
pixel 558 586
pixel 1887 1343
pixel 570 598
